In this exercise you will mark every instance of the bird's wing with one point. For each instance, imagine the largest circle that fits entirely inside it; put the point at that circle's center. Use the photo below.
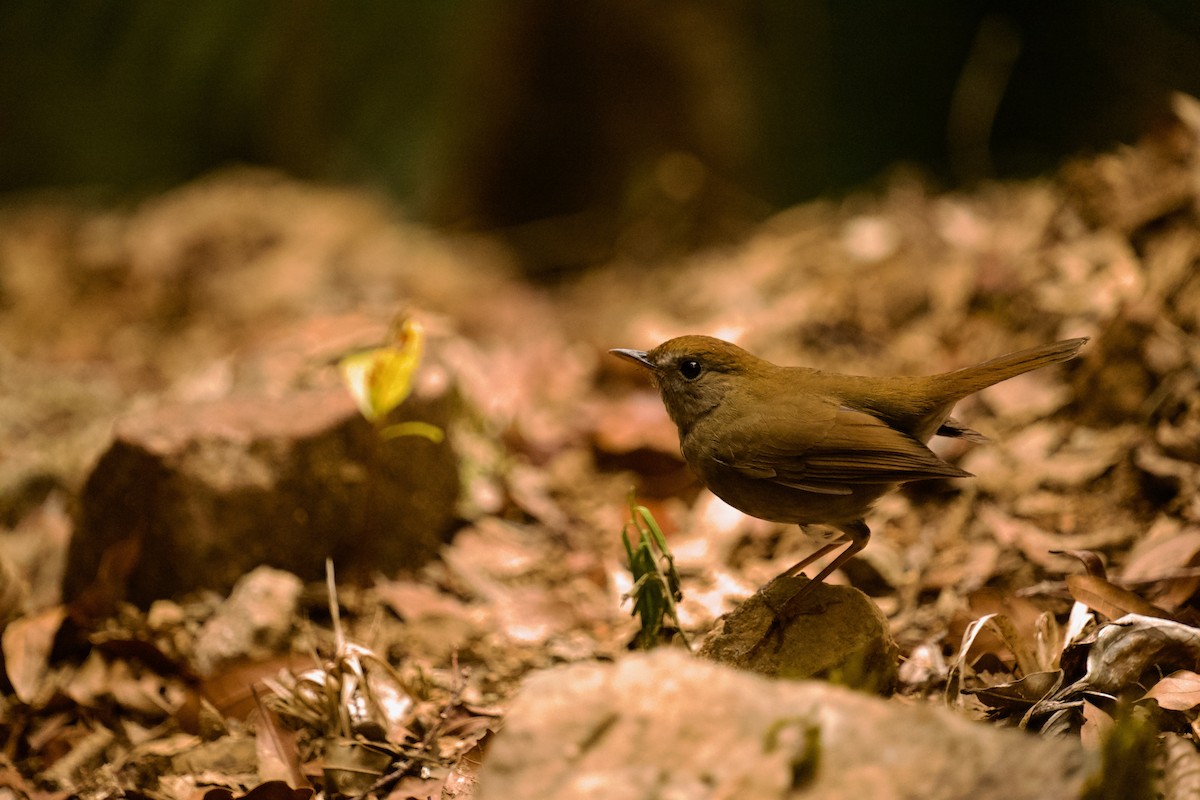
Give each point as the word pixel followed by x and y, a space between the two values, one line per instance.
pixel 854 448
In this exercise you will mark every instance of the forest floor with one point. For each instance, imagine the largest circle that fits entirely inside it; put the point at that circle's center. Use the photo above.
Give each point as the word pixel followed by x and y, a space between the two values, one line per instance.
pixel 247 285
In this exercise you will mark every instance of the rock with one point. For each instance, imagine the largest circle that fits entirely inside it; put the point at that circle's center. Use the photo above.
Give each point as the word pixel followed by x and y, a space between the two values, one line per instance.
pixel 669 725
pixel 255 618
pixel 208 491
pixel 840 635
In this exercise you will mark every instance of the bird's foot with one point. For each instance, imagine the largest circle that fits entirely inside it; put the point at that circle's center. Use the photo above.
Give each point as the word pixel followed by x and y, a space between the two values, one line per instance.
pixel 786 601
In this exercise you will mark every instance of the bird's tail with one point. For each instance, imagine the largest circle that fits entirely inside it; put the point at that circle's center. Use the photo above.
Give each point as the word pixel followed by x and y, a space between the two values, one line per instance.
pixel 969 380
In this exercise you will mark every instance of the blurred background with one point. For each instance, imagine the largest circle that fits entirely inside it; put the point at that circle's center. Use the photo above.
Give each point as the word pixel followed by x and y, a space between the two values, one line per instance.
pixel 580 128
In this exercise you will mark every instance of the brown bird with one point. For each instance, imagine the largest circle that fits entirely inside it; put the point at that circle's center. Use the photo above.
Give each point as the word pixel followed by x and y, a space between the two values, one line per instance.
pixel 798 445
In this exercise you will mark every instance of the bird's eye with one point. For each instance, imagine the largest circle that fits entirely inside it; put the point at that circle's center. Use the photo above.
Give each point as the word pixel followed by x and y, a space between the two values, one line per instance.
pixel 690 369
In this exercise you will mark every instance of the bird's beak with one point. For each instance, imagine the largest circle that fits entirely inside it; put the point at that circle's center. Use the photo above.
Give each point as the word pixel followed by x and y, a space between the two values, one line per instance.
pixel 637 356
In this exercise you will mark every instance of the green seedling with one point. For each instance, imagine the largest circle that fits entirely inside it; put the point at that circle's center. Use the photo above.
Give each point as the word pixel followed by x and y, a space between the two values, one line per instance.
pixel 655 581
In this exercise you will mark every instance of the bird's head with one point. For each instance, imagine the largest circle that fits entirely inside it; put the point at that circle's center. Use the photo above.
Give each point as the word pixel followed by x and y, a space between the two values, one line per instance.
pixel 695 374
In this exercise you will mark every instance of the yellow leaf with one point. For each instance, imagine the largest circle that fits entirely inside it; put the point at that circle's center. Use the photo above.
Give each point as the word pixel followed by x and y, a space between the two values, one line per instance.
pixel 381 379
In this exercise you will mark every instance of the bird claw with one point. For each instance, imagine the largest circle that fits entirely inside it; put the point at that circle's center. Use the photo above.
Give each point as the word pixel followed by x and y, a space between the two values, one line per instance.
pixel 786 603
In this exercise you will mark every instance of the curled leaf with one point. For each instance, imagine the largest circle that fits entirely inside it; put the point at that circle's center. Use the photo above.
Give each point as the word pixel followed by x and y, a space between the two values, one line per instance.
pixel 381 379
pixel 1019 694
pixel 1128 648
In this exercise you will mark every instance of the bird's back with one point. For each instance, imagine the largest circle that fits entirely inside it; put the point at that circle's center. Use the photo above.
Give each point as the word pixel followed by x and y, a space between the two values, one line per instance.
pixel 918 405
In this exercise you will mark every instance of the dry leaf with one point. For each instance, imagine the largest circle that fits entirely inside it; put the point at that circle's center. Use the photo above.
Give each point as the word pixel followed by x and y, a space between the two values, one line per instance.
pixel 1126 649
pixel 1179 691
pixel 27 643
pixel 101 681
pixel 1021 694
pixel 278 755
pixel 1158 557
pixel 1029 396
pixel 1033 542
pixel 231 690
pixel 270 790
pixel 634 422
pixel 1016 630
pixel 1090 559
pixel 85 757
pixel 1170 560
pixel 381 379
pixel 1108 600
pixel 1040 546
pixel 1097 724
pixel 14 785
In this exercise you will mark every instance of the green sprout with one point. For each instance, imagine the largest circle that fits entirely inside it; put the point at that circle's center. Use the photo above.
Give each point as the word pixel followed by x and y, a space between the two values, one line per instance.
pixel 655 581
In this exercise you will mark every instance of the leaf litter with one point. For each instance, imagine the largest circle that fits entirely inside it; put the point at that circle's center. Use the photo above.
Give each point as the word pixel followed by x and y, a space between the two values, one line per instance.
pixel 395 689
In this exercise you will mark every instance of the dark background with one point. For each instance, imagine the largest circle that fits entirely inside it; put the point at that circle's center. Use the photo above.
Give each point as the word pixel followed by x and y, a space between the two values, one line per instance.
pixel 588 114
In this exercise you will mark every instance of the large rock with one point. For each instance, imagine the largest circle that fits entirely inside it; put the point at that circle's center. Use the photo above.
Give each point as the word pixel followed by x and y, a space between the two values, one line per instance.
pixel 668 725
pixel 208 491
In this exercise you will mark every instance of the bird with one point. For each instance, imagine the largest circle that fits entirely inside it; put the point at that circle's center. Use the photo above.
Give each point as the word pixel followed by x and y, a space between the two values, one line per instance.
pixel 804 446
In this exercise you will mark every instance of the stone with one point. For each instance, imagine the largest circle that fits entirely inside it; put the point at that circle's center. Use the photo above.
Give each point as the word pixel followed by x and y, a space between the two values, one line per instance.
pixel 207 491
pixel 839 635
pixel 251 623
pixel 669 725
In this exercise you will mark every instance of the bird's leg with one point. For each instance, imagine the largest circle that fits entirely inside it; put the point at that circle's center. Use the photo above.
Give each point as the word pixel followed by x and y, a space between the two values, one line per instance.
pixel 856 532
pixel 795 568
pixel 810 558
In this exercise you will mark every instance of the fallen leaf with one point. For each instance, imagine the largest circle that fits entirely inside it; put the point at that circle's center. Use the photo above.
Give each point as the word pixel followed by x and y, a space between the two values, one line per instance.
pixel 381 379
pixel 415 787
pixel 100 682
pixel 278 755
pixel 1126 649
pixel 1015 631
pixel 1179 691
pixel 1091 561
pixel 1109 600
pixel 1169 560
pixel 27 642
pixel 1097 724
pixel 18 787
pixel 1020 694
pixel 269 790
pixel 1158 557
pixel 231 689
